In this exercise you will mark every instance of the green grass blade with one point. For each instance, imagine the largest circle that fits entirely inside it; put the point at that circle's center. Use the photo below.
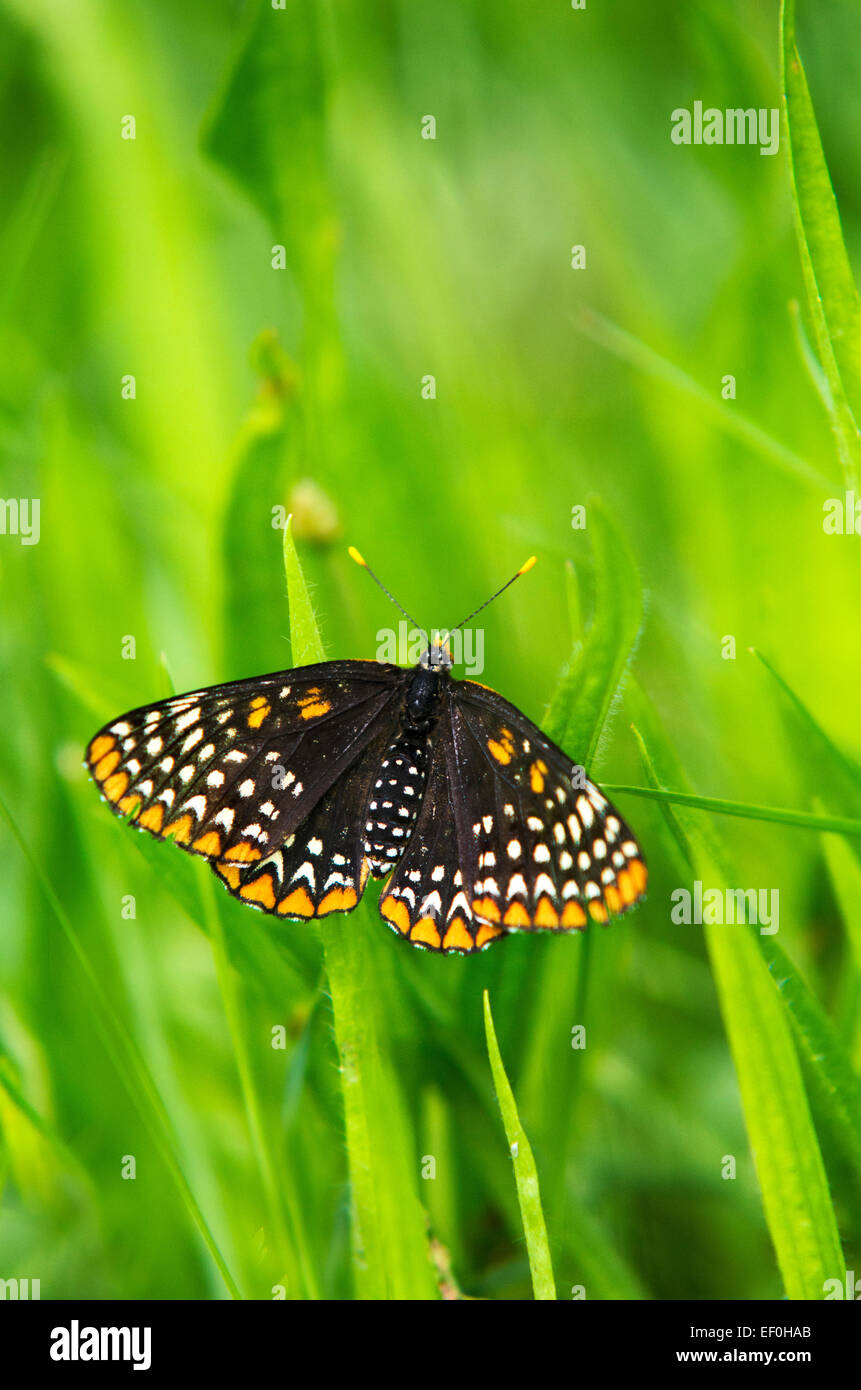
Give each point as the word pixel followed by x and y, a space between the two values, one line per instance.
pixel 827 1059
pixel 814 742
pixel 795 1193
pixel 832 297
pixel 733 423
pixel 525 1171
pixel 253 582
pixel 578 716
pixel 267 129
pixel 581 705
pixel 801 820
pixel 845 873
pixel 261 1139
pixel 389 1227
pixel 129 1064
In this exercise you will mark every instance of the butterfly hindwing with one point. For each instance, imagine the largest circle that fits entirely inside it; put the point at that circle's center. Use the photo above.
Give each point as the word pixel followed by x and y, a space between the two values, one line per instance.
pixel 230 772
pixel 321 866
pixel 551 850
pixel 428 897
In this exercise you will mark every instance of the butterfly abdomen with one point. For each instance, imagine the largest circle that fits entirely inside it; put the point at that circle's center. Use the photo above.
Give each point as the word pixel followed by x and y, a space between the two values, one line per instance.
pixel 395 799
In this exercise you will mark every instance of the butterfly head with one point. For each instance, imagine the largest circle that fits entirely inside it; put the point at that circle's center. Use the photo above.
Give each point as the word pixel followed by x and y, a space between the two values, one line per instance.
pixel 437 656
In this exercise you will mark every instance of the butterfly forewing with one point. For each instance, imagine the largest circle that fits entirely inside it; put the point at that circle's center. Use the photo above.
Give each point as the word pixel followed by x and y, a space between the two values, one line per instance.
pixel 230 772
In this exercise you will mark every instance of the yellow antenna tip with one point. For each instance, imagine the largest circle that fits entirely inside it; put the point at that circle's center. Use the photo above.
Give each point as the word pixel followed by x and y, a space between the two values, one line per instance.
pixel 354 555
pixel 524 569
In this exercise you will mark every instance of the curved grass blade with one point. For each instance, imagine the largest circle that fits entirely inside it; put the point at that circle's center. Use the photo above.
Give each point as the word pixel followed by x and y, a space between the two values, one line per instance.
pixel 130 1065
pixel 389 1229
pixel 733 423
pixel 816 744
pixel 525 1172
pixel 582 702
pixel 795 1193
pixel 832 297
pixel 800 820
pixel 578 717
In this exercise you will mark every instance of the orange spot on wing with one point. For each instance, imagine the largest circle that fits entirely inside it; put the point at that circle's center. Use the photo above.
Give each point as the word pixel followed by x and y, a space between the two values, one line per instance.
pixel 115 786
pixel 106 765
pixel 338 900
pixel 99 746
pixel 425 932
pixel 537 771
pixel 573 915
pixel 546 914
pixel 597 911
pixel 457 938
pixel 503 748
pixel 181 830
pixel 639 875
pixel 229 873
pixel 486 933
pixel 315 709
pixel 210 843
pixel 260 890
pixel 626 887
pixel 152 818
pixel 298 904
pixel 260 710
pixel 243 853
pixel 516 916
pixel 486 907
pixel 129 804
pixel 396 913
pixel 612 897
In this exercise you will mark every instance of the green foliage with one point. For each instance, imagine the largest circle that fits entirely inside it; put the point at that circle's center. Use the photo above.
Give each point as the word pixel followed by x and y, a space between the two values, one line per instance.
pixel 283 1087
pixel 525 1172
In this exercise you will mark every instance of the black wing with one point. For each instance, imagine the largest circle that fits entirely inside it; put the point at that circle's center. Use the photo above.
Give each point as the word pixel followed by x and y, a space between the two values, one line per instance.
pixel 428 898
pixel 231 772
pixel 321 867
pixel 549 850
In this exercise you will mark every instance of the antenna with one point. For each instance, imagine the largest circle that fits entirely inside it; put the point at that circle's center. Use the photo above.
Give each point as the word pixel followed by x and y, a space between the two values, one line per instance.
pixel 360 560
pixel 524 569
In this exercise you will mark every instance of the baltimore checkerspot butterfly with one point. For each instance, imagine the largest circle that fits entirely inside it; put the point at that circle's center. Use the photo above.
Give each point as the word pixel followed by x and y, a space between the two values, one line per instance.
pixel 298 786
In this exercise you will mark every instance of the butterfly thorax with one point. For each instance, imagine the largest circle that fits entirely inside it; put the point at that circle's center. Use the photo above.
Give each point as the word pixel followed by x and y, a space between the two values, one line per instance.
pixel 397 792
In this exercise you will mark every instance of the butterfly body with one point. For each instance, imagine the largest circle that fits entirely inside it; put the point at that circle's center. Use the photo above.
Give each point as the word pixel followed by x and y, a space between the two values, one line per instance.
pixel 298 786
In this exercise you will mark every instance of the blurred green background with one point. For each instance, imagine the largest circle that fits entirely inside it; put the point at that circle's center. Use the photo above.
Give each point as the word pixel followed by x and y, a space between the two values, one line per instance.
pixel 404 257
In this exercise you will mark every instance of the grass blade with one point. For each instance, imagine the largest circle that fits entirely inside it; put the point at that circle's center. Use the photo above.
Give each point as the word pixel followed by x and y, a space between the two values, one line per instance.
pixel 832 297
pixel 801 820
pixel 130 1066
pixel 639 355
pixel 795 1194
pixel 581 705
pixel 525 1172
pixel 389 1235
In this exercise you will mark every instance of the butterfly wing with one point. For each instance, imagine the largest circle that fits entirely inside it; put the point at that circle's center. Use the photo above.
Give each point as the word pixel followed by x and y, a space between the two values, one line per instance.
pixel 427 899
pixel 549 849
pixel 230 772
pixel 321 867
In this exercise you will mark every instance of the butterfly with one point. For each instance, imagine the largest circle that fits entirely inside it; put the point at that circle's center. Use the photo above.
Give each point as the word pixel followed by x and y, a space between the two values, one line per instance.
pixel 300 785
